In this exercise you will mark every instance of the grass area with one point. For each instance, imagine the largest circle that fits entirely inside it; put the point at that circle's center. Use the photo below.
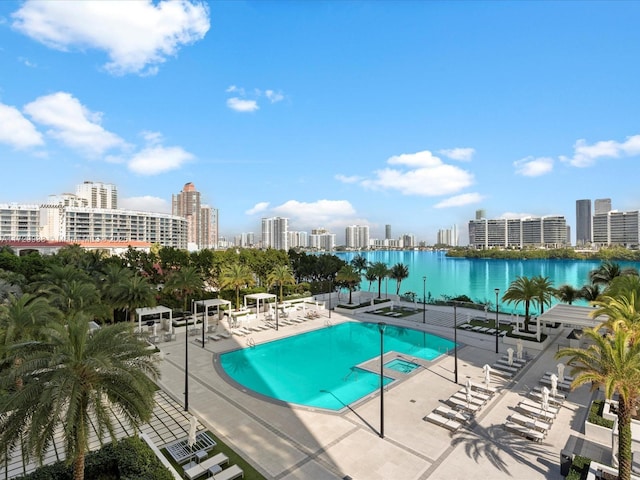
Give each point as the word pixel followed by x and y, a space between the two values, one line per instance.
pixel 250 473
pixel 481 322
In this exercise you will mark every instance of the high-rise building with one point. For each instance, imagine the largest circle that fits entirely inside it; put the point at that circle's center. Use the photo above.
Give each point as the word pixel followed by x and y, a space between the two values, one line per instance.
pixel 480 214
pixel 209 227
pixel 583 222
pixel 548 232
pixel 322 239
pixel 275 233
pixel 298 239
pixel 601 205
pixel 98 195
pixel 357 237
pixel 617 228
pixel 387 232
pixel 448 236
pixel 202 220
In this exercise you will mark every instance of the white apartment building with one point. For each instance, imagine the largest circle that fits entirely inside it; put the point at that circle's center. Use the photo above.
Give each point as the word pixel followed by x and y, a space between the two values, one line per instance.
pixel 448 236
pixel 321 239
pixel 548 232
pixel 98 195
pixel 275 233
pixel 357 237
pixel 19 222
pixel 617 228
pixel 298 239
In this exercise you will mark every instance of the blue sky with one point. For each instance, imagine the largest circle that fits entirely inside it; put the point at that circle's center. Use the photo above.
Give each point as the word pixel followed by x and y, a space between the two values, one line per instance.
pixel 409 113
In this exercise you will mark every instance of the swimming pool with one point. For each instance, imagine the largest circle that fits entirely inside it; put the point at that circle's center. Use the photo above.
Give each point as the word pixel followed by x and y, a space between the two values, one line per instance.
pixel 320 368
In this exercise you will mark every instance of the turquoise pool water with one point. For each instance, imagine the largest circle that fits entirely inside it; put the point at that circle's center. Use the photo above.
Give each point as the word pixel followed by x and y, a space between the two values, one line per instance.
pixel 402 366
pixel 319 368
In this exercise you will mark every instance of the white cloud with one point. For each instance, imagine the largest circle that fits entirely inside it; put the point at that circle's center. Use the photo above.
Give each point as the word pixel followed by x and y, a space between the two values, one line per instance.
pixel 158 159
pixel 27 63
pixel 240 105
pixel 428 176
pixel 72 123
pixel 585 155
pixel 16 130
pixel 145 203
pixel 274 97
pixel 152 138
pixel 533 167
pixel 137 36
pixel 462 154
pixel 460 200
pixel 347 179
pixel 257 208
pixel 309 215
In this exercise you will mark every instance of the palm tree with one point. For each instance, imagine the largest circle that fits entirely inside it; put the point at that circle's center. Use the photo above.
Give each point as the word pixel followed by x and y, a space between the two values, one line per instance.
pixel 622 311
pixel 349 277
pixel 379 271
pixel 590 292
pixel 399 272
pixel 75 380
pixel 545 291
pixel 607 271
pixel 370 277
pixel 611 361
pixel 135 292
pixel 359 263
pixel 567 294
pixel 281 275
pixel 236 276
pixel 184 282
pixel 522 290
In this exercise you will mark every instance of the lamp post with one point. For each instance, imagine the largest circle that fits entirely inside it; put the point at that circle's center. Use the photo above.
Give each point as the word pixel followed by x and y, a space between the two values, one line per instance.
pixel 497 290
pixel 204 313
pixel 455 343
pixel 186 362
pixel 424 299
pixel 330 292
pixel 381 327
pixel 277 308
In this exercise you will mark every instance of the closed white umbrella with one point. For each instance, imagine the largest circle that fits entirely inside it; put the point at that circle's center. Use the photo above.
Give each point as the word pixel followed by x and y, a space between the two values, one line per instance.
pixel 487 375
pixel 193 426
pixel 510 354
pixel 519 349
pixel 554 384
pixel 205 323
pixel 561 372
pixel 469 387
pixel 545 399
pixel 155 329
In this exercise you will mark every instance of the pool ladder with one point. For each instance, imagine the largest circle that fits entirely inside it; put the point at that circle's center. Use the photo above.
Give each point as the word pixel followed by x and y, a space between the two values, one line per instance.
pixel 251 342
pixel 353 370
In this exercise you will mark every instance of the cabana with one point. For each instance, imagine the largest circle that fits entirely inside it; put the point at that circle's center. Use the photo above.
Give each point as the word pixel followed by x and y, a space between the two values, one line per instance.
pixel 257 297
pixel 206 305
pixel 152 311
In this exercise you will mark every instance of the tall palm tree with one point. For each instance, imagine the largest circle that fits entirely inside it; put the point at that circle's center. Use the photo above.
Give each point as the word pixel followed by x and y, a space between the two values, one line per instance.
pixel 613 362
pixel 133 292
pixel 590 292
pixel 75 380
pixel 281 275
pixel 567 294
pixel 369 277
pixel 379 271
pixel 184 283
pixel 545 291
pixel 522 290
pixel 399 272
pixel 236 276
pixel 359 263
pixel 621 311
pixel 349 277
pixel 607 271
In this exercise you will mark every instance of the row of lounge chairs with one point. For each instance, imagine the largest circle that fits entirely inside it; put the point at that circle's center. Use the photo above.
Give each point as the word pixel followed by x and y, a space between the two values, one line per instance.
pixel 478 329
pixel 460 407
pixel 532 419
pixel 506 369
pixel 213 466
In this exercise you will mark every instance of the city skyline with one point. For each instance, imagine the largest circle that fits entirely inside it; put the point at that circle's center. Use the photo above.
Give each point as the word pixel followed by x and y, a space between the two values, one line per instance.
pixel 330 114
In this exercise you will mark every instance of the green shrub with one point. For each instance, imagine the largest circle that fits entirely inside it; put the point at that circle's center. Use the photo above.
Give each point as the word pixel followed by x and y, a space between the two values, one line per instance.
pixel 579 468
pixel 595 414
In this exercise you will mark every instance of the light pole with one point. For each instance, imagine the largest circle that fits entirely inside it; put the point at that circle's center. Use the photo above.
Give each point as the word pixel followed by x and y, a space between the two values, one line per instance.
pixel 497 290
pixel 186 361
pixel 455 342
pixel 204 313
pixel 381 327
pixel 277 308
pixel 330 292
pixel 424 299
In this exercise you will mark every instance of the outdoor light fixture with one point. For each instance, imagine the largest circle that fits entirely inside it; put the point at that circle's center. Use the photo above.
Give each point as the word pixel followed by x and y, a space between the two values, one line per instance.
pixel 497 290
pixel 186 361
pixel 330 292
pixel 381 328
pixel 424 298
pixel 455 343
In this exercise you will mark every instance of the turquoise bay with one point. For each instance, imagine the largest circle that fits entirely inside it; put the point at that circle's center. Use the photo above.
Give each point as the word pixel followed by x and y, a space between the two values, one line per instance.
pixel 476 278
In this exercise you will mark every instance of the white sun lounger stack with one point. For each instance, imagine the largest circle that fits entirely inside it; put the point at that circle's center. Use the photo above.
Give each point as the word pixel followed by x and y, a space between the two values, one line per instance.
pixel 447 418
pixel 524 431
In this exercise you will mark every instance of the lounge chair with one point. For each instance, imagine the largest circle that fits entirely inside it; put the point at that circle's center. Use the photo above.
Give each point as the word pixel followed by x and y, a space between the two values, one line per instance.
pixel 481 387
pixel 559 397
pixel 214 337
pixel 505 367
pixel 539 425
pixel 452 414
pixel 561 385
pixel 203 467
pixel 445 422
pixel 461 395
pixel 231 473
pixel 462 405
pixel 535 412
pixel 523 431
pixel 565 378
pixel 485 397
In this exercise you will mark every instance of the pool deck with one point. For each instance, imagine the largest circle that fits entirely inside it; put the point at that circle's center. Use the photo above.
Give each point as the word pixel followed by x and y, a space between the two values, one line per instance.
pixel 289 442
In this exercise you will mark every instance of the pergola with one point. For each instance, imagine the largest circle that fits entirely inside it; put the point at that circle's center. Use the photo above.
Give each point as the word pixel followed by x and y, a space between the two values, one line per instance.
pixel 210 304
pixel 148 311
pixel 257 297
pixel 571 316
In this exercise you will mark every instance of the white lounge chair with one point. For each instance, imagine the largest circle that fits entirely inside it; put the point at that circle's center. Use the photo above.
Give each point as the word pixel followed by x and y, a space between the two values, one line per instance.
pixel 537 397
pixel 535 412
pixel 231 473
pixel 479 397
pixel 523 431
pixel 539 425
pixel 214 337
pixel 452 414
pixel 461 395
pixel 445 422
pixel 462 405
pixel 203 467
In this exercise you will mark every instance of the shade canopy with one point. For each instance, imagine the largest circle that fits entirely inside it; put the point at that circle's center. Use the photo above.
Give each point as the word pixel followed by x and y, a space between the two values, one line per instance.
pixel 150 311
pixel 572 315
pixel 259 297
